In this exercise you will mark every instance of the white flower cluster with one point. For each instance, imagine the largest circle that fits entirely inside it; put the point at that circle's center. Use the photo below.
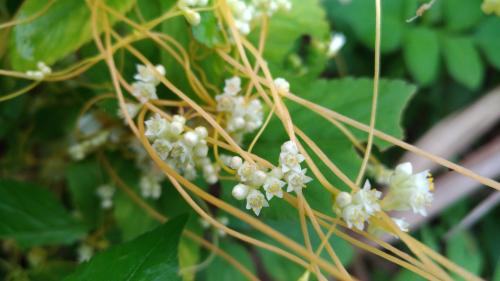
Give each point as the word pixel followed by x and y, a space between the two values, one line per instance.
pixel 42 72
pixel 406 191
pixel 244 13
pixel 186 6
pixel 105 193
pixel 252 178
pixel 242 116
pixel 185 151
pixel 150 182
pixel 144 89
pixel 357 208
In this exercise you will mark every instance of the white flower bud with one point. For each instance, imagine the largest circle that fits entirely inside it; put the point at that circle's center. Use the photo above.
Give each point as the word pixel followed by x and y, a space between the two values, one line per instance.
pixel 343 199
pixel 176 128
pixel 235 162
pixel 191 138
pixel 201 131
pixel 240 191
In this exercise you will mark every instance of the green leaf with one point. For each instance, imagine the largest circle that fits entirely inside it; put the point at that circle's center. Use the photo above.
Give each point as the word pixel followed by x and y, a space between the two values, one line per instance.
pixel 306 18
pixel 151 256
pixel 32 216
pixel 421 53
pixel 462 248
pixel 56 33
pixel 488 40
pixel 208 31
pixel 463 61
pixel 461 15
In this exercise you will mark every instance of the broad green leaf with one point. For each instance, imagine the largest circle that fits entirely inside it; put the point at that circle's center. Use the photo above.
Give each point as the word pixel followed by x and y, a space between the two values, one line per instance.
pixel 56 33
pixel 462 249
pixel 496 276
pixel 421 53
pixel 32 216
pixel 151 256
pixel 83 179
pixel 306 18
pixel 463 61
pixel 131 219
pixel 461 15
pixel 488 39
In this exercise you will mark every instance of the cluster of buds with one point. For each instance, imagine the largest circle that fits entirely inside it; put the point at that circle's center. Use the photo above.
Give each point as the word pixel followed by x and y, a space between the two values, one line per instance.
pixel 222 219
pixel 252 178
pixel 42 72
pixel 491 6
pixel 244 13
pixel 185 151
pixel 242 116
pixel 406 191
pixel 186 7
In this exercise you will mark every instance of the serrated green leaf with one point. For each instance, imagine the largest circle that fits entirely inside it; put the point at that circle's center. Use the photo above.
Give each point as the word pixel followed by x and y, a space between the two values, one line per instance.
pixel 461 15
pixel 421 53
pixel 488 39
pixel 62 29
pixel 463 61
pixel 32 216
pixel 151 256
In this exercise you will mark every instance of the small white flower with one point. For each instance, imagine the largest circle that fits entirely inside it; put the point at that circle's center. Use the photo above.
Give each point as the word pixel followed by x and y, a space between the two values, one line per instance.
pixel 191 138
pixel 162 147
pixel 256 201
pixel 297 180
pixel 77 152
pixel 336 43
pixel 354 215
pixel 84 253
pixel 290 158
pixel 37 75
pixel 105 193
pixel 147 75
pixel 144 91
pixel 408 191
pixel 156 126
pixel 368 198
pixel 150 185
pixel 273 185
pixel 202 132
pixel 232 86
pixel 282 86
pixel 258 178
pixel 246 171
pixel 44 68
